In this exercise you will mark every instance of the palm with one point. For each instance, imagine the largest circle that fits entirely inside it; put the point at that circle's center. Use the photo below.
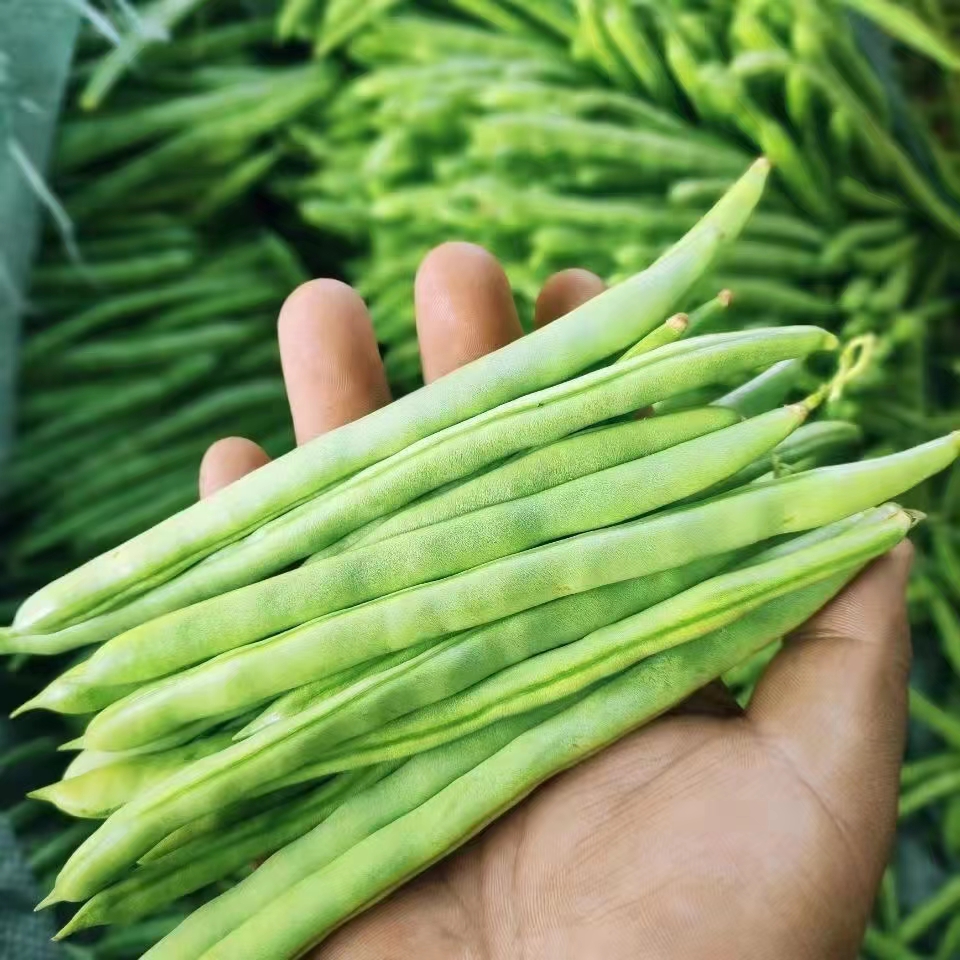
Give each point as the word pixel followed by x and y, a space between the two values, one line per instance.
pixel 710 833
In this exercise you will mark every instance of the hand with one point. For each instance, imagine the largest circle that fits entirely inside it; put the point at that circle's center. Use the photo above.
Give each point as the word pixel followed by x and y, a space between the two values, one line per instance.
pixel 711 833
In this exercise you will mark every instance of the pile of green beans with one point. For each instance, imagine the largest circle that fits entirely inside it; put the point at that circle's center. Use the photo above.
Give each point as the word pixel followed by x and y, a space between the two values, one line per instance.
pixel 482 584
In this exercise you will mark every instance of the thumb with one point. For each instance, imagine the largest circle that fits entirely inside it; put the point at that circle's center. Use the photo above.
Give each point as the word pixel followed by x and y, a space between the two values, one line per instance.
pixel 834 702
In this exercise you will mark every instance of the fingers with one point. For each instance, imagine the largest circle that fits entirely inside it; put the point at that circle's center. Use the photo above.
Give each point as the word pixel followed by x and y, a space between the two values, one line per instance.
pixel 464 307
pixel 563 292
pixel 228 460
pixel 330 359
pixel 834 702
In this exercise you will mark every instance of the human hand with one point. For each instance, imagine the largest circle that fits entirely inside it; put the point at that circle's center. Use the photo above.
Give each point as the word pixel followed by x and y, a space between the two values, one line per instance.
pixel 712 832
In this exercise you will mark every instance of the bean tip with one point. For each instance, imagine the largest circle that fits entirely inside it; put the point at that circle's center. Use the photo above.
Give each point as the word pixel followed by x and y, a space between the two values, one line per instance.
pixel 725 298
pixel 678 322
pixel 48 901
pixel 33 703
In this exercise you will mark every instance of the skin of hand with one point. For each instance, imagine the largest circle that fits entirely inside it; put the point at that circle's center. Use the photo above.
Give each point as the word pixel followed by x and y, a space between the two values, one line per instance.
pixel 712 832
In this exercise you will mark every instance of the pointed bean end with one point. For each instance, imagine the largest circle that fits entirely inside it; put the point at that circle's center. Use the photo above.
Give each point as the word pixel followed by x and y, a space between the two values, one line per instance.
pixel 725 298
pixel 915 517
pixel 48 901
pixel 678 322
pixel 35 703
pixel 42 793
pixel 75 924
pixel 70 745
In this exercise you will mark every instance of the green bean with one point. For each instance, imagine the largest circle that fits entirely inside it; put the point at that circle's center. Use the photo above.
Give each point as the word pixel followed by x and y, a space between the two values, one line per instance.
pixel 868 198
pixel 611 391
pixel 154 885
pixel 636 49
pixel 116 308
pixel 570 668
pixel 71 694
pixel 574 456
pixel 153 349
pixel 930 791
pixel 814 444
pixel 103 789
pixel 91 759
pixel 754 293
pixel 868 232
pixel 649 153
pixel 205 830
pixel 444 549
pixel 290 704
pixel 378 864
pixel 705 315
pixel 945 902
pixel 359 816
pixel 943 723
pixel 601 327
pixel 91 138
pixel 766 390
pixel 884 947
pixel 947 625
pixel 919 770
pixel 132 271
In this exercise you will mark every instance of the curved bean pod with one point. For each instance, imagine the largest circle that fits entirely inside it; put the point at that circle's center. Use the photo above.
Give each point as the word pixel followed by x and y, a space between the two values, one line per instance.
pixel 97 792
